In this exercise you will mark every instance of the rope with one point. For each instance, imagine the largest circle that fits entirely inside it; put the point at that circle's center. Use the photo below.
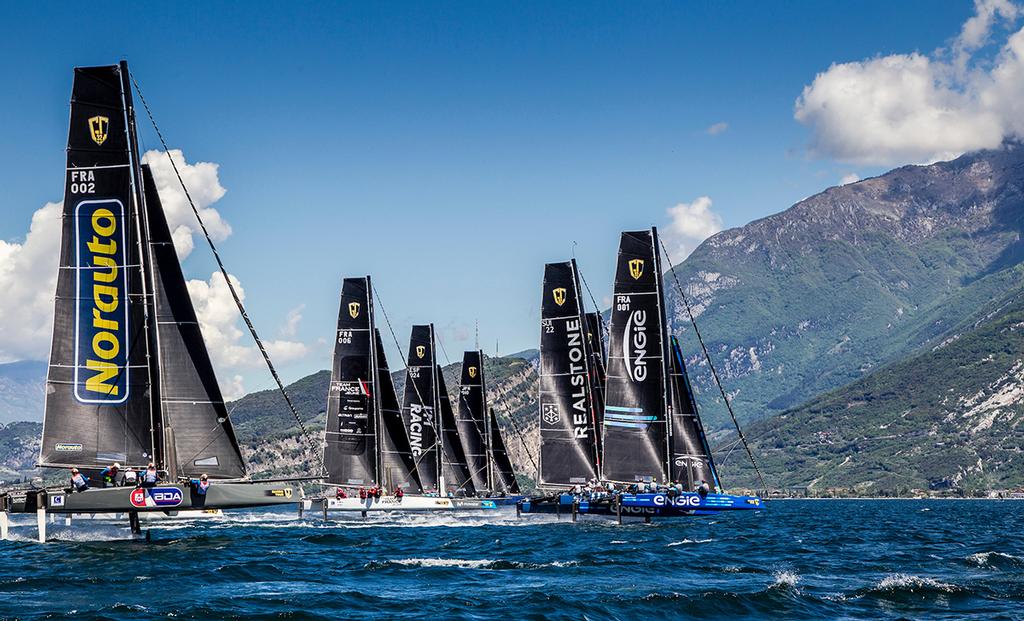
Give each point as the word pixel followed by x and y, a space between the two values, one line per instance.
pixel 231 287
pixel 711 365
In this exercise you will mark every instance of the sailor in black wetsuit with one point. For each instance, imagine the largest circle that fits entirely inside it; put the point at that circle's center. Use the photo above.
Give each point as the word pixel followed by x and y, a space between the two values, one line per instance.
pixel 704 489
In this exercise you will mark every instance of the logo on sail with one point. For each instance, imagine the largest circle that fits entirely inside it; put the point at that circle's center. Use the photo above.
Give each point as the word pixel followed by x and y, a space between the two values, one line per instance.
pixel 353 309
pixel 636 268
pixel 634 345
pixel 421 350
pixel 472 372
pixel 549 414
pixel 98 129
pixel 101 316
pixel 559 295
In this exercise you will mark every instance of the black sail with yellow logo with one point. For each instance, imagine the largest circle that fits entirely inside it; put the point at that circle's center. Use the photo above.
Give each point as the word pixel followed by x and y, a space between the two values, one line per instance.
pixel 503 476
pixel 454 469
pixel 98 391
pixel 398 465
pixel 692 461
pixel 350 453
pixel 472 417
pixel 199 438
pixel 635 430
pixel 598 376
pixel 567 449
pixel 420 406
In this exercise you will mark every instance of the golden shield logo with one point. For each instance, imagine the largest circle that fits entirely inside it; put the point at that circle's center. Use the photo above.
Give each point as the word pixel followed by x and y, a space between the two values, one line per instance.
pixel 559 295
pixel 353 309
pixel 636 268
pixel 421 351
pixel 472 372
pixel 98 129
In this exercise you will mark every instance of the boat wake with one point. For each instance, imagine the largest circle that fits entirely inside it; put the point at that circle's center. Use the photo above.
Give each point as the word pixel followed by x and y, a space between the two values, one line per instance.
pixel 688 541
pixel 427 563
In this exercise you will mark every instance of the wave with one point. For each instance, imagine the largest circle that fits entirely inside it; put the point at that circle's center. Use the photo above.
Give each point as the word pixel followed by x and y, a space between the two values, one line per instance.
pixel 902 586
pixel 785 580
pixel 994 560
pixel 686 541
pixel 460 563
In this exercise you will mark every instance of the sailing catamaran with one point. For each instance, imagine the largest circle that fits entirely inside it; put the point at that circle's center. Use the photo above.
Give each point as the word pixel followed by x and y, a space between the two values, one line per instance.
pixel 129 377
pixel 489 466
pixel 650 435
pixel 372 443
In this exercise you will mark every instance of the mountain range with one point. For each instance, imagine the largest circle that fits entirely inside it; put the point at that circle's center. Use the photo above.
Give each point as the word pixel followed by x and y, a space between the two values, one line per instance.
pixel 868 338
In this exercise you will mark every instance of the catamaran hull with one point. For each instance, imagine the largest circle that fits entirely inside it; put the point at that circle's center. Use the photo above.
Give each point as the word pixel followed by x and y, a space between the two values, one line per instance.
pixel 645 505
pixel 407 503
pixel 163 498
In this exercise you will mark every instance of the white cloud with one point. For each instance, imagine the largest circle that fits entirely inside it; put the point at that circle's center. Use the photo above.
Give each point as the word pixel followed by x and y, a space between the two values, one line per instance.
pixel 849 178
pixel 204 187
pixel 717 128
pixel 291 321
pixel 921 107
pixel 222 331
pixel 28 280
pixel 689 225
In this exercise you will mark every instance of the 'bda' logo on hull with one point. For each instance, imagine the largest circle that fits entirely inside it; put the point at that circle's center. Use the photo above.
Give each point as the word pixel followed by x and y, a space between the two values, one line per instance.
pixel 156 497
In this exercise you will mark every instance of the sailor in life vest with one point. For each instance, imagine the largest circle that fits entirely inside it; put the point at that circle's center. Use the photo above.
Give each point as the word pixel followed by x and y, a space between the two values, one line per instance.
pixel 201 484
pixel 109 475
pixel 78 480
pixel 131 478
pixel 150 477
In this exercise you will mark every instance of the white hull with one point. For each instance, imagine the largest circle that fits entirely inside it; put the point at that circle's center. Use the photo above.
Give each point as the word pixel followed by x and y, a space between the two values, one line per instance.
pixel 186 514
pixel 390 503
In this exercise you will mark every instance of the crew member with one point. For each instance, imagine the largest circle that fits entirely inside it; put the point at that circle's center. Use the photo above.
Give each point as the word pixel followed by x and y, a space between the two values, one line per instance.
pixel 704 489
pixel 399 492
pixel 202 484
pixel 131 478
pixel 79 481
pixel 340 494
pixel 109 475
pixel 150 477
pixel 362 493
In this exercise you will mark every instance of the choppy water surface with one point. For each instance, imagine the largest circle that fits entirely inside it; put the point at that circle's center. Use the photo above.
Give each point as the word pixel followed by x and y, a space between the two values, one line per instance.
pixel 808 559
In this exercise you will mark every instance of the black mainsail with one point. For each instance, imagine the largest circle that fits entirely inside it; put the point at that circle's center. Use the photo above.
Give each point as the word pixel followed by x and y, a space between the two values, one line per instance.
pixel 635 430
pixel 502 475
pixel 420 406
pixel 198 436
pixel 568 449
pixel 100 398
pixel 692 461
pixel 398 465
pixel 598 376
pixel 454 468
pixel 350 452
pixel 472 418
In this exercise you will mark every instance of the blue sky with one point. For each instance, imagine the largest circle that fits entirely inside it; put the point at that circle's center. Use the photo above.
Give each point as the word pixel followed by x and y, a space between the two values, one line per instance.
pixel 450 149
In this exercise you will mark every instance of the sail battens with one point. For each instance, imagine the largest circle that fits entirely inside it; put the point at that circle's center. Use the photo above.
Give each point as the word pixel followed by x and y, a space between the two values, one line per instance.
pixel 568 451
pixel 635 430
pixel 420 406
pixel 107 167
pixel 95 406
pixel 351 453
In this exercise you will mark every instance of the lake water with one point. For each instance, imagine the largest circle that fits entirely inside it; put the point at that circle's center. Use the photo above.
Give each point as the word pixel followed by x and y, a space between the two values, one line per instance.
pixel 797 559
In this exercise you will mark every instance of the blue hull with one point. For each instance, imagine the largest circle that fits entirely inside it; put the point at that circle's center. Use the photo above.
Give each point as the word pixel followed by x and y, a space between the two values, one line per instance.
pixel 645 505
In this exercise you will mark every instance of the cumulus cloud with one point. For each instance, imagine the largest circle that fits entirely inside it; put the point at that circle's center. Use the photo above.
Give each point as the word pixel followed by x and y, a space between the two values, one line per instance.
pixel 291 321
pixel 204 187
pixel 28 279
pixel 918 107
pixel 689 225
pixel 717 128
pixel 849 178
pixel 222 330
